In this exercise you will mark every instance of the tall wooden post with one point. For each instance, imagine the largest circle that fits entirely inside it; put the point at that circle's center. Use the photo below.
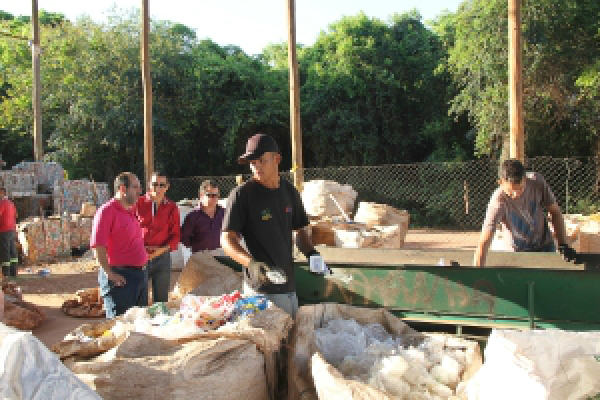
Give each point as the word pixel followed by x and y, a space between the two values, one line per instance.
pixel 517 128
pixel 297 165
pixel 147 85
pixel 38 148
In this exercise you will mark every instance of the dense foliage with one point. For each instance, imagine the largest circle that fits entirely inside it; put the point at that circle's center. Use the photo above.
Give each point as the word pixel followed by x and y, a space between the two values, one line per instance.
pixel 561 57
pixel 372 92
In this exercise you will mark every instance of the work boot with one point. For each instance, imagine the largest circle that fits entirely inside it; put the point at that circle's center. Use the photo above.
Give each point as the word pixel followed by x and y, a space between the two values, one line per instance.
pixel 13 270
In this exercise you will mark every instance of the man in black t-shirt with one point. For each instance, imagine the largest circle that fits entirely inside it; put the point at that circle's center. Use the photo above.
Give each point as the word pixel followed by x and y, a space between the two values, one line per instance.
pixel 265 211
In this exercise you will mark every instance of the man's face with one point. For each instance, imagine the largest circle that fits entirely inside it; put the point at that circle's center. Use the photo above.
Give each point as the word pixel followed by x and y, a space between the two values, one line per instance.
pixel 158 185
pixel 512 190
pixel 133 192
pixel 210 197
pixel 266 166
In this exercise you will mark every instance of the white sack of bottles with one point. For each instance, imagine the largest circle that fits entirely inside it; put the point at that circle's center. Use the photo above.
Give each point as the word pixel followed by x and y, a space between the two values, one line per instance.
pixel 320 197
pixel 341 351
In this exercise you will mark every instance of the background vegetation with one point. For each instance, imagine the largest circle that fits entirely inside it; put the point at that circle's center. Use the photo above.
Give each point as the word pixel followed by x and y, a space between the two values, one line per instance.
pixel 373 92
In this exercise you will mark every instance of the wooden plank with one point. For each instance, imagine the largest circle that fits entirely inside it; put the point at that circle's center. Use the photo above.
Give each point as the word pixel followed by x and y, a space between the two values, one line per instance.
pixel 464 258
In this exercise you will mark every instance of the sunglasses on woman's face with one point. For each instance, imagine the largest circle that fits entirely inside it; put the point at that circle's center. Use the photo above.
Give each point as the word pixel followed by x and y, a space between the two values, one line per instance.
pixel 159 184
pixel 211 194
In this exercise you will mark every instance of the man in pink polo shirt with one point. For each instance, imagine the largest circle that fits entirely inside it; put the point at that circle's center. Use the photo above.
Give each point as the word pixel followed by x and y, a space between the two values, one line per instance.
pixel 119 248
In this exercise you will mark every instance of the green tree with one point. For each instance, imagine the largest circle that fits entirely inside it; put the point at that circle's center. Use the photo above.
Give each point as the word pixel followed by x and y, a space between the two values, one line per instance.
pixel 560 46
pixel 372 94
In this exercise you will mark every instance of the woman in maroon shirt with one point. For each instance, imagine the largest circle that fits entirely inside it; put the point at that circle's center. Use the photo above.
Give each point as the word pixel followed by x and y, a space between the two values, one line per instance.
pixel 201 228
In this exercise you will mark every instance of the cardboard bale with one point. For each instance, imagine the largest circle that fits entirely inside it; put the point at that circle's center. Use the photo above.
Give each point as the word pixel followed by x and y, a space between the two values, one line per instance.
pixel 46 173
pixel 75 228
pixel 58 200
pixel 32 241
pixel 58 236
pixel 102 193
pixel 18 183
pixel 88 209
pixel 85 230
pixel 37 205
pixel 77 192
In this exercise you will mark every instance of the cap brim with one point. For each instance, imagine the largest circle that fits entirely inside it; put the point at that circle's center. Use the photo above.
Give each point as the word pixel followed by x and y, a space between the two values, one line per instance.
pixel 246 158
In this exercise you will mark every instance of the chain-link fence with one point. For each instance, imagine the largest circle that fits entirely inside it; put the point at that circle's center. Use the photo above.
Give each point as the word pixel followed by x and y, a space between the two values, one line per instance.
pixel 440 195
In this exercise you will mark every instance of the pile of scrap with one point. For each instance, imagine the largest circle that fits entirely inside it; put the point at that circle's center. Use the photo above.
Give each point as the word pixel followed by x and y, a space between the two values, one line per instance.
pixel 329 206
pixel 86 304
pixel 19 313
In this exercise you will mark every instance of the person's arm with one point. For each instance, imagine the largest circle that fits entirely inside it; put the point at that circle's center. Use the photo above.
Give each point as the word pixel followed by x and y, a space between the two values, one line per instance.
pixel 102 258
pixel 174 229
pixel 485 239
pixel 187 230
pixel 304 242
pixel 558 222
pixel 230 242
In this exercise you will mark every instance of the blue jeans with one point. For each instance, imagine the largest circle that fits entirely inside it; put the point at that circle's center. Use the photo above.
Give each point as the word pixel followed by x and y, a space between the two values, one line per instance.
pixel 159 271
pixel 288 302
pixel 118 299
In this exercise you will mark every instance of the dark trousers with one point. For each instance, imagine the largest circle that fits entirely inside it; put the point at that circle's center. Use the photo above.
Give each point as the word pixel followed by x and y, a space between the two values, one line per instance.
pixel 159 271
pixel 118 299
pixel 8 253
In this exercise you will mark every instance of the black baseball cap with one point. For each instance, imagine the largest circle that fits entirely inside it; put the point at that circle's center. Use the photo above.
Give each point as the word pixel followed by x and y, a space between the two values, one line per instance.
pixel 258 145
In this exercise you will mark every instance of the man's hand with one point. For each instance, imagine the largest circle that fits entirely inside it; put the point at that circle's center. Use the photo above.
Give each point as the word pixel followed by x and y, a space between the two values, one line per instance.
pixel 262 273
pixel 317 265
pixel 116 279
pixel 568 253
pixel 155 251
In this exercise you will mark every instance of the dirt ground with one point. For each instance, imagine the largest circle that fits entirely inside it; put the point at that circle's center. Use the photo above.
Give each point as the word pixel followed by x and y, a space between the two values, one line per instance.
pixel 66 277
pixel 49 293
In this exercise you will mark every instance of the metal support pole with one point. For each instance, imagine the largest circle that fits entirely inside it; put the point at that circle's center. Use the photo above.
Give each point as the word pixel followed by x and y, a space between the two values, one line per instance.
pixel 530 305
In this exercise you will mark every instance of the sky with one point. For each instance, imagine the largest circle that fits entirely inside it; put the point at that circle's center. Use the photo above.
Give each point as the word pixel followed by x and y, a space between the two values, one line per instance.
pixel 249 24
